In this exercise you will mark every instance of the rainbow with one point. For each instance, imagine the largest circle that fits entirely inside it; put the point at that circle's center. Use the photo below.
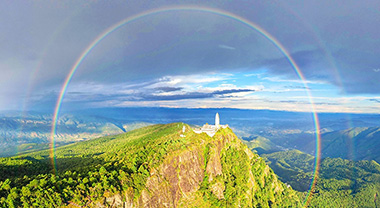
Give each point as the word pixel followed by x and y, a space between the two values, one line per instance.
pixel 316 36
pixel 218 12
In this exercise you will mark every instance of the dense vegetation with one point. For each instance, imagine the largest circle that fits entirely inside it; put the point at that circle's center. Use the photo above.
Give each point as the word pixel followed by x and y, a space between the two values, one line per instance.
pixel 341 183
pixel 149 166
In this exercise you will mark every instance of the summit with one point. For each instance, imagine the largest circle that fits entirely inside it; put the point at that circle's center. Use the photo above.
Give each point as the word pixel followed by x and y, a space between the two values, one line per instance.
pixel 211 129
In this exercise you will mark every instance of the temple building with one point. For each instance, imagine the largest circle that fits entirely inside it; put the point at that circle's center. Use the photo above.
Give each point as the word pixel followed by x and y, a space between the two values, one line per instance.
pixel 211 129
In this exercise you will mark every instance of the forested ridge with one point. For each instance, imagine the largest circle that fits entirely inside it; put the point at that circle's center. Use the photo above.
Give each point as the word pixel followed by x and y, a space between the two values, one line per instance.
pixel 340 182
pixel 148 167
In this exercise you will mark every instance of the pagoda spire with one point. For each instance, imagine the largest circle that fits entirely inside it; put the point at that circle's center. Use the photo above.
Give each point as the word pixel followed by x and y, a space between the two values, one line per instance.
pixel 217 121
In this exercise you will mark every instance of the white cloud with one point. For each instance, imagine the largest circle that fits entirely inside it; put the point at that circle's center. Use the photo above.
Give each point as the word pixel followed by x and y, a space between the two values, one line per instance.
pixel 181 81
pixel 226 47
pixel 277 79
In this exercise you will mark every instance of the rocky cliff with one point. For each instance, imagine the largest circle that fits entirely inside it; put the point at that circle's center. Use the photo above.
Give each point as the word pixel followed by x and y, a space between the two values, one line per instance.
pixel 211 172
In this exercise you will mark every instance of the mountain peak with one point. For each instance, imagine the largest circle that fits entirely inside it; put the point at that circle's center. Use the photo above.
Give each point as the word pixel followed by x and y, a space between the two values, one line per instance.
pixel 154 166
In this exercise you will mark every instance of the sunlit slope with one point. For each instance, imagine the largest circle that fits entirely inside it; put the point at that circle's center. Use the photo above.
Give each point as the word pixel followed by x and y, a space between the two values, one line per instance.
pixel 149 167
pixel 341 183
pixel 261 145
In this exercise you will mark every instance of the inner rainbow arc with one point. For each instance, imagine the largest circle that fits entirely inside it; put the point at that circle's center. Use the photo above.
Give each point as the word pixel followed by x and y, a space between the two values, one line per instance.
pixel 219 12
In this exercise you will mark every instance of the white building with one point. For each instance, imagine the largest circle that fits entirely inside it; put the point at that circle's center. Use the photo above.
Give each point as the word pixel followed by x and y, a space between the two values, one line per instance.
pixel 211 129
pixel 183 131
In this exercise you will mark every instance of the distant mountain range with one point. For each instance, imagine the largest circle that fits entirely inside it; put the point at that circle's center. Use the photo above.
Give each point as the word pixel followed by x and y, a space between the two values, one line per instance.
pixel 266 130
pixel 30 132
pixel 359 143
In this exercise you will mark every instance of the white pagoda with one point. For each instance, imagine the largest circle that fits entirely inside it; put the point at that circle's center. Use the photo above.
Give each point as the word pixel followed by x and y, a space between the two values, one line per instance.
pixel 211 129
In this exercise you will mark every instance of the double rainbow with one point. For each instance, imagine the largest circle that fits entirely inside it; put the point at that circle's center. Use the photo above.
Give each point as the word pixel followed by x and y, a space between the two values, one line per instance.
pixel 218 12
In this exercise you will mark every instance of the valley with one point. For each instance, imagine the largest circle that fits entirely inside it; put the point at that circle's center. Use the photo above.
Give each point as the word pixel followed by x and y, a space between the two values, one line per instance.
pixel 340 182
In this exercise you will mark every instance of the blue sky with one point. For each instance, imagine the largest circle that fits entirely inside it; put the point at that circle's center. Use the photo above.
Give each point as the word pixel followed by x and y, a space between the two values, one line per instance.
pixel 191 58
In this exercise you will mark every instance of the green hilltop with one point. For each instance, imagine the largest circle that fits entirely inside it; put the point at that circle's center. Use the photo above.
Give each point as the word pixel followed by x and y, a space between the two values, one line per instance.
pixel 152 166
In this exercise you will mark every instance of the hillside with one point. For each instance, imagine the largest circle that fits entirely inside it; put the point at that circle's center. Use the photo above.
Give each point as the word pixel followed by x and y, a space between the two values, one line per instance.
pixel 31 132
pixel 341 183
pixel 261 145
pixel 354 143
pixel 149 167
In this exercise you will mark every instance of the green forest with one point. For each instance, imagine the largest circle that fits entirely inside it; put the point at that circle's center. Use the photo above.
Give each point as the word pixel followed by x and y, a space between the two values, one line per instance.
pixel 144 167
pixel 340 183
pixel 161 164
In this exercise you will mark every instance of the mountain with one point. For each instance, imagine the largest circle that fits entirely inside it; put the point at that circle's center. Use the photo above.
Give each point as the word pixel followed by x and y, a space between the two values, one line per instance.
pixel 359 143
pixel 32 131
pixel 354 143
pixel 341 183
pixel 154 166
pixel 29 131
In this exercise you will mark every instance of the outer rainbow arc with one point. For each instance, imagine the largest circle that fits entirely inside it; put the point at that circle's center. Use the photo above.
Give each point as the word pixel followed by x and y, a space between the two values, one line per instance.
pixel 219 12
pixel 316 36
